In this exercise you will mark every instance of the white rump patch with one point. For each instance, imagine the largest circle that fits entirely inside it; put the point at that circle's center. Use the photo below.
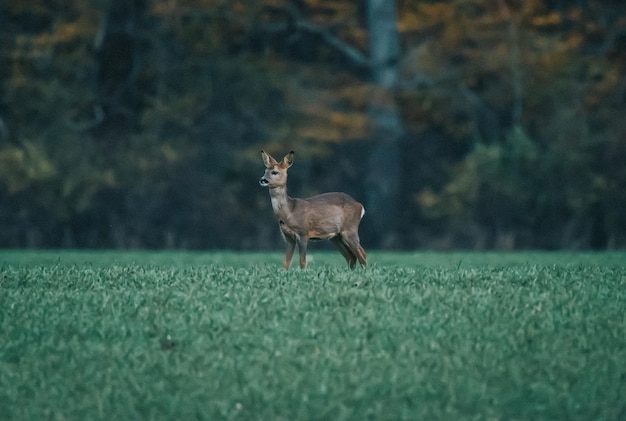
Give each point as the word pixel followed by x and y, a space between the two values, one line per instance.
pixel 362 211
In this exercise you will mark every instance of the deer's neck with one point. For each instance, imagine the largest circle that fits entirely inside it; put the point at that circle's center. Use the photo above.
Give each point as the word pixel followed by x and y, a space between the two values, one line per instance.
pixel 281 203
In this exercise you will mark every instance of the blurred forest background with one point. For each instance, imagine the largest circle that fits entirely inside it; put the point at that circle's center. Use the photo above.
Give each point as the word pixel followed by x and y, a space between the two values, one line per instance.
pixel 475 124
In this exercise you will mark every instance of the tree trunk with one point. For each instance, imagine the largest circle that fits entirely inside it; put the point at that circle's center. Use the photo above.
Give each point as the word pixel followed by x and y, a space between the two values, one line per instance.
pixel 118 63
pixel 383 183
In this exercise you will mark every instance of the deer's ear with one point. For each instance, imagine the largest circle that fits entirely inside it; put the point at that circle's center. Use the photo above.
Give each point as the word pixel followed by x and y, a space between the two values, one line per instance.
pixel 268 160
pixel 288 160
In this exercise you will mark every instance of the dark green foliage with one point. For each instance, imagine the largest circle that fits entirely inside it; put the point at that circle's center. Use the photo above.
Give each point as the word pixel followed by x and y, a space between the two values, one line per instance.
pixel 137 124
pixel 231 336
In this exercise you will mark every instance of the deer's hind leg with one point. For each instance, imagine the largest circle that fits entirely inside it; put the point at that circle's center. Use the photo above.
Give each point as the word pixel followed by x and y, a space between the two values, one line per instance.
pixel 345 251
pixel 351 240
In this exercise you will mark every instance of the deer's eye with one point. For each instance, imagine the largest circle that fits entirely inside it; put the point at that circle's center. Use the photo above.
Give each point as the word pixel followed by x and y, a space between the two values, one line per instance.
pixel 274 172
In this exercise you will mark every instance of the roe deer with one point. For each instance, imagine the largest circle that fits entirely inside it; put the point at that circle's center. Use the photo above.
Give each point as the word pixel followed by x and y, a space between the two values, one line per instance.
pixel 328 216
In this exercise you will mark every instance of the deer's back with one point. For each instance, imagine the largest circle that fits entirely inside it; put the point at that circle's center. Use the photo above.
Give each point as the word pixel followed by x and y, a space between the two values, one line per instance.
pixel 331 209
pixel 332 199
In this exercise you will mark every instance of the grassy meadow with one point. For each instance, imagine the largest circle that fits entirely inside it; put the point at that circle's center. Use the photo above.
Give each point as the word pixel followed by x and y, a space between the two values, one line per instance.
pixel 414 336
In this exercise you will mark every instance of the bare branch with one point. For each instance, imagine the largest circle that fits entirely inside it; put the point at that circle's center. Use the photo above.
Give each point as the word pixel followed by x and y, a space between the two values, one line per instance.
pixel 348 51
pixel 298 23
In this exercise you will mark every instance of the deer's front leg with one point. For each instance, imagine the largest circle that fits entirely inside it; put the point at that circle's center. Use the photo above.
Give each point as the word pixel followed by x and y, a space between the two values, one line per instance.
pixel 302 244
pixel 291 245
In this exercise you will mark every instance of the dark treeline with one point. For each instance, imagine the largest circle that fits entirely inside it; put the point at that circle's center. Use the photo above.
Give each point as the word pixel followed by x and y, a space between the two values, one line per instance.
pixel 459 124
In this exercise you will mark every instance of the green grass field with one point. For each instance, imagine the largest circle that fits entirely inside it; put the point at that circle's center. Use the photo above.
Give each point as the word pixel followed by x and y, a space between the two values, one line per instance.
pixel 415 336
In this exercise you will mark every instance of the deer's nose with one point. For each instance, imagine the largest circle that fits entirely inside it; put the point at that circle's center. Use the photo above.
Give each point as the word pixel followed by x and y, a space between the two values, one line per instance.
pixel 263 181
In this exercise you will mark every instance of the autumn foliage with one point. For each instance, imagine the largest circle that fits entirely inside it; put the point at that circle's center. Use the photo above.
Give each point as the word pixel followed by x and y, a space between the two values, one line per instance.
pixel 138 124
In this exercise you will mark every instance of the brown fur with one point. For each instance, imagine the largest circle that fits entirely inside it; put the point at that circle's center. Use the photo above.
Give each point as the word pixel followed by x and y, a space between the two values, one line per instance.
pixel 329 216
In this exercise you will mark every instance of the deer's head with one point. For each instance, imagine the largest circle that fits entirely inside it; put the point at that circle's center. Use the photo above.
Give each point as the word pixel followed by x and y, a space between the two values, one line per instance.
pixel 275 172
